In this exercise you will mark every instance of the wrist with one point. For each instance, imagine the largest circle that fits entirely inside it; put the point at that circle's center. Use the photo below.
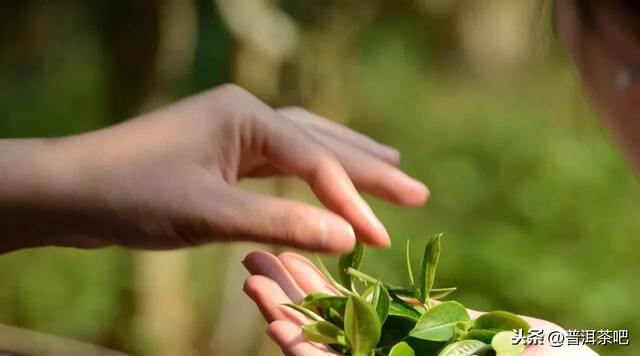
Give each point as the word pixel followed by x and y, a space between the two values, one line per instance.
pixel 36 184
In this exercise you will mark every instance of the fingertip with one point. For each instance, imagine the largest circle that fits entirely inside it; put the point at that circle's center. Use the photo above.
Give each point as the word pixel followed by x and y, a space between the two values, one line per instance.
pixel 407 190
pixel 376 233
pixel 256 260
pixel 306 274
pixel 420 195
pixel 250 285
pixel 337 235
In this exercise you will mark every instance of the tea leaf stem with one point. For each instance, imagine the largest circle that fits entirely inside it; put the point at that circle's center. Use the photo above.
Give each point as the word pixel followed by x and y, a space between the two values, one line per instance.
pixel 308 313
pixel 365 277
pixel 332 280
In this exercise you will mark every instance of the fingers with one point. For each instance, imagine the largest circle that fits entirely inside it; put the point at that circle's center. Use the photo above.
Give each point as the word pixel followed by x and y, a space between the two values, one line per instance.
pixel 365 163
pixel 271 286
pixel 341 133
pixel 268 265
pixel 256 217
pixel 375 176
pixel 306 274
pixel 289 337
pixel 269 298
pixel 292 150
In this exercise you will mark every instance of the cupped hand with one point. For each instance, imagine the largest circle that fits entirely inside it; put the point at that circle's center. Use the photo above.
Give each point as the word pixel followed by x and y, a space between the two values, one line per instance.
pixel 166 179
pixel 289 277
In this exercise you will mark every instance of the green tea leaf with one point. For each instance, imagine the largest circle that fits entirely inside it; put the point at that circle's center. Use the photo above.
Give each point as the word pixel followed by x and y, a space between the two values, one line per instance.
pixel 401 308
pixel 361 325
pixel 503 345
pixel 501 320
pixel 425 347
pixel 402 349
pixel 436 293
pixel 308 313
pixel 322 301
pixel 381 302
pixel 437 323
pixel 464 348
pixel 324 332
pixel 368 294
pixel 350 260
pixel 439 293
pixel 428 271
pixel 404 310
pixel 461 328
pixel 404 292
pixel 481 335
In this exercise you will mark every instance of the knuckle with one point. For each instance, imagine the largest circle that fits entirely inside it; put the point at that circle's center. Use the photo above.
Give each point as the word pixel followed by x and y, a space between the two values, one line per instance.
pixel 287 229
pixel 232 88
pixel 325 162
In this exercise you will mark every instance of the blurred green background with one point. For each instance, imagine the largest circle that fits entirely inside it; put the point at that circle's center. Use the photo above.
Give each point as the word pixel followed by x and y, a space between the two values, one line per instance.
pixel 539 208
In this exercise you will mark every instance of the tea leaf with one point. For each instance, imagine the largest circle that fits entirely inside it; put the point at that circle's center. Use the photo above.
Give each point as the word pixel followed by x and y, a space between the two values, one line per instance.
pixel 324 333
pixel 322 300
pixel 403 310
pixel 437 323
pixel 428 271
pixel 481 335
pixel 362 326
pixel 330 278
pixel 464 348
pixel 501 320
pixel 381 301
pixel 308 313
pixel 350 260
pixel 439 293
pixel 436 293
pixel 461 328
pixel 404 292
pixel 402 349
pixel 503 345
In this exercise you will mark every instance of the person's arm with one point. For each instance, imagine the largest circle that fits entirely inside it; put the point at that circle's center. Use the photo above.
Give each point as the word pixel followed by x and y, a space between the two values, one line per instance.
pixel 35 188
pixel 166 180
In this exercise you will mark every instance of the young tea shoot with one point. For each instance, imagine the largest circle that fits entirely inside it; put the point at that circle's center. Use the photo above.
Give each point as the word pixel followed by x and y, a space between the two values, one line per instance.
pixel 384 320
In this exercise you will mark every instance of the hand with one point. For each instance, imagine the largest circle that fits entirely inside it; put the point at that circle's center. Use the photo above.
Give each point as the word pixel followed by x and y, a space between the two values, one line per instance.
pixel 166 179
pixel 290 277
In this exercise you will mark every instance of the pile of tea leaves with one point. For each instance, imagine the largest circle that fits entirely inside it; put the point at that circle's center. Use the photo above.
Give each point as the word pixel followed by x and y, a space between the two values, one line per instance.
pixel 374 318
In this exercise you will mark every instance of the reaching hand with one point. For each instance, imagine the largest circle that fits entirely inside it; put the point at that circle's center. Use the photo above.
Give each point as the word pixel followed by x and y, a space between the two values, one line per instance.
pixel 166 179
pixel 290 277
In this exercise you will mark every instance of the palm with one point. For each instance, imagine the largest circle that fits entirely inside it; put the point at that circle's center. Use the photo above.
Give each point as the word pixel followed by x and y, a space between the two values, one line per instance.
pixel 290 277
